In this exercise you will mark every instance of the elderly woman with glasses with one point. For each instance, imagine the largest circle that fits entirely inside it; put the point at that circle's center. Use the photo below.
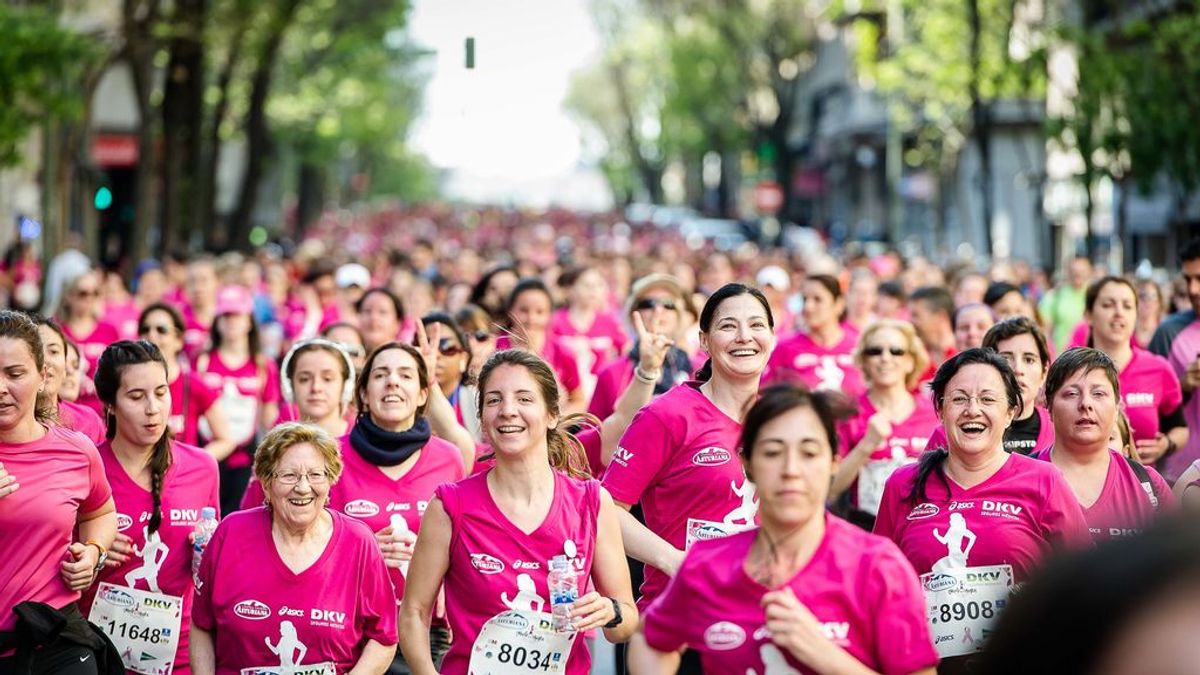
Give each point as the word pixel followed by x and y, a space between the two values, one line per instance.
pixel 292 583
pixel 892 426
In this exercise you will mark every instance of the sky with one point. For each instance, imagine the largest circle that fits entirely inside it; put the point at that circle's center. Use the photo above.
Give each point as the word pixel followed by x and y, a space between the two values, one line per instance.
pixel 501 129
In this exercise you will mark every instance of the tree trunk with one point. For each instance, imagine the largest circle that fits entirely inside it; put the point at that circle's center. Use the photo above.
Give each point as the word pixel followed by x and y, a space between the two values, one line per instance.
pixel 258 141
pixel 207 192
pixel 182 115
pixel 310 196
pixel 981 126
pixel 648 172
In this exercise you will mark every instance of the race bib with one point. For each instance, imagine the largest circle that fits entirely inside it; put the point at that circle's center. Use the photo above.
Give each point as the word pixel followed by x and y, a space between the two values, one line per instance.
pixel 964 605
pixel 703 530
pixel 519 641
pixel 327 668
pixel 240 413
pixel 871 480
pixel 143 626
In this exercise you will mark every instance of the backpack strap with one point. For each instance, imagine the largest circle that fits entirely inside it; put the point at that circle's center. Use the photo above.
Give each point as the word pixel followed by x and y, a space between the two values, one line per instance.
pixel 1143 477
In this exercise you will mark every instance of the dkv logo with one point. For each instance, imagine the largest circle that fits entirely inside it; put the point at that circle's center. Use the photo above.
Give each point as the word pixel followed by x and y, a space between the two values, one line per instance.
pixel 712 456
pixel 252 609
pixel 486 563
pixel 361 508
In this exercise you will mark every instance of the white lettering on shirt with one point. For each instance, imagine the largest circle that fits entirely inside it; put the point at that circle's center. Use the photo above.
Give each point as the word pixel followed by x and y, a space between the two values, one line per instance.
pixel 622 456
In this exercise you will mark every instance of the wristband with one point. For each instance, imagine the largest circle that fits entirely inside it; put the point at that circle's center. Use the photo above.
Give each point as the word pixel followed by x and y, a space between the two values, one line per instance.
pixel 643 376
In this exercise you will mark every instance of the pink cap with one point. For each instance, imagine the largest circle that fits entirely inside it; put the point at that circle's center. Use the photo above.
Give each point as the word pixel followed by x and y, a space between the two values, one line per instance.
pixel 234 300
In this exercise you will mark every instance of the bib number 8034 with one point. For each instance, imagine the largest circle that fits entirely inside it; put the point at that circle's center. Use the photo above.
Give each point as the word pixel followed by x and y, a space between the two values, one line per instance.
pixel 531 659
pixel 966 610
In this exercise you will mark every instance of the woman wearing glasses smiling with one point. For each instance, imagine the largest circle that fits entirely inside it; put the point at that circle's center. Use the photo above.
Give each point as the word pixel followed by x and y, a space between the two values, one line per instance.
pixel 892 426
pixel 162 325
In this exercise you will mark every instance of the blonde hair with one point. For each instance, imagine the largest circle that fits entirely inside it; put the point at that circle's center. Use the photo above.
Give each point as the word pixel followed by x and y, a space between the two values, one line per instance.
pixel 287 436
pixel 916 349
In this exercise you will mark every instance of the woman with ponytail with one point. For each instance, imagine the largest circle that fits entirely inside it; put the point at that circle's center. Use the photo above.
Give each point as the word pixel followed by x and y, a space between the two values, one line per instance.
pixel 159 485
pixel 489 539
pixel 973 519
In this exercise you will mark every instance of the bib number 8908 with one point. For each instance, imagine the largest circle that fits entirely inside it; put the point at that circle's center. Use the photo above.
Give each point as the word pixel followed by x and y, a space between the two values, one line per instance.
pixel 521 657
pixel 132 631
pixel 966 610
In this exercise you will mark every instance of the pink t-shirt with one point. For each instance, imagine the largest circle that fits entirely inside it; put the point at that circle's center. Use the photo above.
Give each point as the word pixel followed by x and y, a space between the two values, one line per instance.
pixel 907 442
pixel 190 400
pixel 679 459
pixel 492 560
pixel 124 318
pixel 713 606
pixel 61 476
pixel 243 391
pixel 366 493
pixel 800 359
pixel 92 345
pixel 1124 507
pixel 189 485
pixel 1149 390
pixel 195 335
pixel 560 358
pixel 611 381
pixel 595 346
pixel 262 614
pixel 1013 518
pixel 1044 441
pixel 82 419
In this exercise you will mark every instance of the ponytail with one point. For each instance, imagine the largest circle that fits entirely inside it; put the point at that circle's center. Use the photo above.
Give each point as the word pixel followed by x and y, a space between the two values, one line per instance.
pixel 705 372
pixel 160 461
pixel 931 461
pixel 567 453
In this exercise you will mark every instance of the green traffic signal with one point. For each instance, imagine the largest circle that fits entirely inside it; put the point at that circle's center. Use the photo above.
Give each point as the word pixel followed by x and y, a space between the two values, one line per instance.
pixel 103 198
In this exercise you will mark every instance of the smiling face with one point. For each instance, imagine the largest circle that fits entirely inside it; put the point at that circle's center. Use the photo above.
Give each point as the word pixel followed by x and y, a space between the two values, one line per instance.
pixel 530 312
pixel 143 404
pixel 1021 352
pixel 791 464
pixel 975 410
pixel 1084 411
pixel 514 416
pixel 740 338
pixel 298 505
pixel 317 382
pixel 887 359
pixel 83 297
pixel 393 392
pixel 1114 314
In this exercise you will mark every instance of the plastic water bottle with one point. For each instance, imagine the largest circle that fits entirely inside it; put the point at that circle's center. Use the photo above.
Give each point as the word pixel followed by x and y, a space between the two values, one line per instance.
pixel 564 591
pixel 399 527
pixel 202 533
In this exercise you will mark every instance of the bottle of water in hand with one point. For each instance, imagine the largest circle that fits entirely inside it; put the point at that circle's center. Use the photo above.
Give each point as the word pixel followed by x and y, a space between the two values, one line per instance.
pixel 564 591
pixel 399 527
pixel 201 535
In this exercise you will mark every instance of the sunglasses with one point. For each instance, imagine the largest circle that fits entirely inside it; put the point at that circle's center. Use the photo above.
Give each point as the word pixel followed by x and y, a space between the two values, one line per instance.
pixel 448 348
pixel 161 330
pixel 480 335
pixel 653 303
pixel 878 351
pixel 84 293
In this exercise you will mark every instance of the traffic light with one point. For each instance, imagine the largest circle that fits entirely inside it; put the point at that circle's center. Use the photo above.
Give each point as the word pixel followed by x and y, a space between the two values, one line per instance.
pixel 103 198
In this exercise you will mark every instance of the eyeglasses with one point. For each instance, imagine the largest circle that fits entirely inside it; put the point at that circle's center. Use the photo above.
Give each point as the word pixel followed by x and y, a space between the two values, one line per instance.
pixel 652 303
pixel 87 293
pixel 878 351
pixel 962 401
pixel 480 335
pixel 447 348
pixel 293 478
pixel 161 330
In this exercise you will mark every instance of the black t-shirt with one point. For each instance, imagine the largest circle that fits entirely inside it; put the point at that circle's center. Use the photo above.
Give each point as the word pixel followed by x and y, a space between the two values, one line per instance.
pixel 1021 436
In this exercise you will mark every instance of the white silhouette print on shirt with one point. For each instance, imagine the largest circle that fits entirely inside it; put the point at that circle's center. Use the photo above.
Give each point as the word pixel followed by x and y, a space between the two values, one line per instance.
pixel 745 511
pixel 153 553
pixel 831 374
pixel 289 643
pixel 958 540
pixel 773 662
pixel 527 598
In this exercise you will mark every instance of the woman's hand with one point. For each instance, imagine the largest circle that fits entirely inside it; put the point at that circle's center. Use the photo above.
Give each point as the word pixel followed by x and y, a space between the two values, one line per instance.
pixel 8 483
pixel 427 343
pixel 1151 450
pixel 79 568
pixel 796 630
pixel 397 548
pixel 879 430
pixel 120 552
pixel 591 611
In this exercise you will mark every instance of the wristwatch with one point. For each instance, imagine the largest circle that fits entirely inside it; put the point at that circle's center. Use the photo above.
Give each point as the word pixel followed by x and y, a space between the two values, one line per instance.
pixel 616 621
pixel 103 555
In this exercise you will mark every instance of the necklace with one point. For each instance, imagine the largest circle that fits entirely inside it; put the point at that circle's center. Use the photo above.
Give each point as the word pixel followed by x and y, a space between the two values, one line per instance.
pixel 766 570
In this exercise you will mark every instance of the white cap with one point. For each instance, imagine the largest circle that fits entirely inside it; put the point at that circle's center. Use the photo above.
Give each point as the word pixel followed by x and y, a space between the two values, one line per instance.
pixel 774 275
pixel 352 274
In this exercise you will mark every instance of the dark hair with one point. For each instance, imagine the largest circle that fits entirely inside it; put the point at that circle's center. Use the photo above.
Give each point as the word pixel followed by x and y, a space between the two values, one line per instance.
pixel 997 290
pixel 1076 359
pixel 523 286
pixel 24 327
pixel 571 276
pixel 936 297
pixel 176 317
pixel 933 459
pixel 1093 290
pixel 893 289
pixel 479 290
pixel 473 315
pixel 215 338
pixel 1011 328
pixel 364 375
pixel 781 399
pixel 1071 612
pixel 830 283
pixel 396 303
pixel 109 369
pixel 566 452
pixel 41 320
pixel 1190 251
pixel 342 324
pixel 446 320
pixel 709 311
pixel 50 406
pixel 306 346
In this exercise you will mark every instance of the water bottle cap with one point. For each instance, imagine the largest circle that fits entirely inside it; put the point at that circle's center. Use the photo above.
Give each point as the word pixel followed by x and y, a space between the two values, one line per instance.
pixel 208 512
pixel 559 562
